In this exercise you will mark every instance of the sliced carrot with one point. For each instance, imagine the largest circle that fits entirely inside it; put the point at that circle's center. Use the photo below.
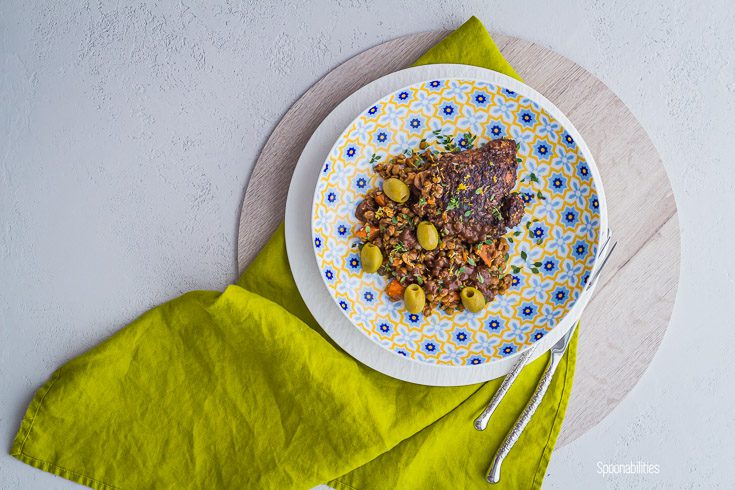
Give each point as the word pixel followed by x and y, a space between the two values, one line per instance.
pixel 484 253
pixel 394 290
pixel 362 233
pixel 380 199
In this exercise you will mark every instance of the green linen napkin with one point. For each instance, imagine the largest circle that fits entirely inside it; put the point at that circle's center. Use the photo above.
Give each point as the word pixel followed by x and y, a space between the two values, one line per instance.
pixel 242 389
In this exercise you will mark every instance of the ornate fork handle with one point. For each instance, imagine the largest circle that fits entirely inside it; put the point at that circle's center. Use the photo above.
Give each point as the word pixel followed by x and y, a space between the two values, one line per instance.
pixel 556 353
pixel 482 420
pixel 533 403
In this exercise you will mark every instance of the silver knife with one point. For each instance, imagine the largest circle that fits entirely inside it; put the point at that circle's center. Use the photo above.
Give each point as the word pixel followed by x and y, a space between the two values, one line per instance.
pixel 482 420
pixel 557 352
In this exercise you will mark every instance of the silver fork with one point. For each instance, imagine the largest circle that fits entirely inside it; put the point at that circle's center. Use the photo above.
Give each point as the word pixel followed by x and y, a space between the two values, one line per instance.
pixel 557 352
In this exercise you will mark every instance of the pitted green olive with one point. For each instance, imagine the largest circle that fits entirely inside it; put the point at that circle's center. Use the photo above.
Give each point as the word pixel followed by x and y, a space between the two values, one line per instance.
pixel 396 190
pixel 414 298
pixel 472 299
pixel 427 235
pixel 371 258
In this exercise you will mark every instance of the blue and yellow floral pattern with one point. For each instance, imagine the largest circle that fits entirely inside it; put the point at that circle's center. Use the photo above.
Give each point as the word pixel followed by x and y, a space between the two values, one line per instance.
pixel 553 248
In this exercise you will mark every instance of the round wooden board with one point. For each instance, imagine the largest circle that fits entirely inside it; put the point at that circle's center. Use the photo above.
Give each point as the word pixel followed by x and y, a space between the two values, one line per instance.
pixel 626 320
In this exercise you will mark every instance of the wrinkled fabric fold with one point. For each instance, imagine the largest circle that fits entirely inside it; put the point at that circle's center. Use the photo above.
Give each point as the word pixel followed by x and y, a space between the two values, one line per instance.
pixel 243 389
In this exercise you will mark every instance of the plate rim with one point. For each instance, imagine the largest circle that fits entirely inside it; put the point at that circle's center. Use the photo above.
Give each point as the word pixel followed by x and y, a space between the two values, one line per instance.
pixel 315 154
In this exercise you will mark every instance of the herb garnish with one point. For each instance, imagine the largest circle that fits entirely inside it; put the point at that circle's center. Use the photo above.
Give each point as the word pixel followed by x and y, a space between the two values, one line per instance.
pixel 469 139
pixel 453 203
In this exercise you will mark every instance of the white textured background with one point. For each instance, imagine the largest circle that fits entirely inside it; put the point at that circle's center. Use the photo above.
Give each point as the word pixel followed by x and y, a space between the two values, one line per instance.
pixel 127 133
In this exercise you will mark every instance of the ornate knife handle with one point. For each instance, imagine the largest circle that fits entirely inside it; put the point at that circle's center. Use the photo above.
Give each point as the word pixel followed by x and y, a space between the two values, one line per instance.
pixel 533 403
pixel 557 352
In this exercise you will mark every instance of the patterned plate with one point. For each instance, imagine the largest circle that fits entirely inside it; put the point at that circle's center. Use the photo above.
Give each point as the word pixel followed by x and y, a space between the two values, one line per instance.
pixel 553 249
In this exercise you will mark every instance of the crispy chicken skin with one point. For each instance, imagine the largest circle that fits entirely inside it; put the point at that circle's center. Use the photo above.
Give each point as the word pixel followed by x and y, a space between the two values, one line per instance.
pixel 476 191
pixel 468 196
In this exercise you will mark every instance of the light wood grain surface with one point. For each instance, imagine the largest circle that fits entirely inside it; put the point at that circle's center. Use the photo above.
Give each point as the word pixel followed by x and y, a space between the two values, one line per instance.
pixel 626 320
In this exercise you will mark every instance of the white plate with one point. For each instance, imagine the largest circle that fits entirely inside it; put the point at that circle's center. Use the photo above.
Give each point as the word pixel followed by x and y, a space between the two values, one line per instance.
pixel 303 263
